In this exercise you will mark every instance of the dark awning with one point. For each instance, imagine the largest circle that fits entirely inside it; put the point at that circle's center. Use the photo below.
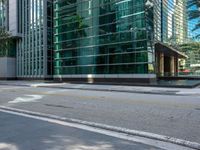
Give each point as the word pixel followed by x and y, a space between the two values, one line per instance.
pixel 169 50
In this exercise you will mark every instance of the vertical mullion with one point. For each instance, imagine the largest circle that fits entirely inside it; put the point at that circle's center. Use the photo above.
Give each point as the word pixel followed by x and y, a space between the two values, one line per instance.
pixel 40 34
pixel 32 41
pixel 24 36
pixel 36 41
pixel 27 38
pixel 45 38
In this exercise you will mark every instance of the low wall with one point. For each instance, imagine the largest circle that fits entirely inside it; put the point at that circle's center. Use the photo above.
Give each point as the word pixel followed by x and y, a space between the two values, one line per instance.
pixel 7 68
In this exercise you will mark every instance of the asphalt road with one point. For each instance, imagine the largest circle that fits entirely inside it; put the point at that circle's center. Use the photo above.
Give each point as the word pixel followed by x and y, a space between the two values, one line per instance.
pixel 20 133
pixel 176 116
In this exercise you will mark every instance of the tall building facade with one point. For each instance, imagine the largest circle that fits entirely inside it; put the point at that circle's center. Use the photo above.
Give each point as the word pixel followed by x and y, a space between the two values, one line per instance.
pixel 174 21
pixel 95 39
pixel 30 23
pixel 34 48
pixel 103 39
pixel 3 14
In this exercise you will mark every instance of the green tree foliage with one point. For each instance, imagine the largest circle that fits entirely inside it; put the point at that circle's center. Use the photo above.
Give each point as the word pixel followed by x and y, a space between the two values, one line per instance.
pixel 192 50
pixel 194 46
pixel 80 26
pixel 5 39
pixel 5 42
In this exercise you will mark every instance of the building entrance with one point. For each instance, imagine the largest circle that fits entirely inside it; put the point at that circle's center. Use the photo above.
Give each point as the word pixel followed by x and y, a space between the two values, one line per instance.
pixel 167 60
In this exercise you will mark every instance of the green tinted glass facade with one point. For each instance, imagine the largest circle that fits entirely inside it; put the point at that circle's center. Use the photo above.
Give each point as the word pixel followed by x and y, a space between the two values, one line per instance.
pixel 103 37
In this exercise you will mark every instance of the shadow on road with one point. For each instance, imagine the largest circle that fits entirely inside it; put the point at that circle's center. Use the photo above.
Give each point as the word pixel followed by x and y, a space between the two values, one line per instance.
pixel 19 133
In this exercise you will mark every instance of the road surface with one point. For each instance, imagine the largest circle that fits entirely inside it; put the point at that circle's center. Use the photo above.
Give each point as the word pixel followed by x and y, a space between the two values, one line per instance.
pixel 171 115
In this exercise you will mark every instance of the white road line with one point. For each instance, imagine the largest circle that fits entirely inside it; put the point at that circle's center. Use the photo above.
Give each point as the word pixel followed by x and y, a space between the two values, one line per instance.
pixel 47 84
pixel 147 141
pixel 5 146
pixel 26 99
pixel 33 98
pixel 188 93
pixel 57 91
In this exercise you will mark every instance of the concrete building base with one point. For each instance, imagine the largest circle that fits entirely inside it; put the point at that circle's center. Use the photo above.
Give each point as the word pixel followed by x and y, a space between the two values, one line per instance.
pixel 8 68
pixel 128 79
pixel 33 78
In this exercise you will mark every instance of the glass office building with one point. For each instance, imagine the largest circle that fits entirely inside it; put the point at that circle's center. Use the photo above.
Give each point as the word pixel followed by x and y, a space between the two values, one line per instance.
pixel 104 38
pixel 30 24
pixel 174 21
pixel 34 48
pixel 96 39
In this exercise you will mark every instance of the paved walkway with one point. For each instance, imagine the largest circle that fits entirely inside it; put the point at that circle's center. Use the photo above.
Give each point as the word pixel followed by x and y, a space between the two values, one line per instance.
pixel 114 88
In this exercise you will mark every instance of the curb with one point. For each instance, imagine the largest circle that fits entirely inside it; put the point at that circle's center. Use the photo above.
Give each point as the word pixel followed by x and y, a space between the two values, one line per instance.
pixel 153 136
pixel 114 90
pixel 101 90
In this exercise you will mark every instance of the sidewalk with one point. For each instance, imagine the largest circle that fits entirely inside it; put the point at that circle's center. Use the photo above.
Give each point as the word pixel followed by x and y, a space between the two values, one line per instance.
pixel 107 88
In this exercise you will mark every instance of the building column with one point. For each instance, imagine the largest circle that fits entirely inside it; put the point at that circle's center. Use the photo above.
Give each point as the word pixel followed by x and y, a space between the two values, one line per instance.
pixel 172 66
pixel 161 66
pixel 176 65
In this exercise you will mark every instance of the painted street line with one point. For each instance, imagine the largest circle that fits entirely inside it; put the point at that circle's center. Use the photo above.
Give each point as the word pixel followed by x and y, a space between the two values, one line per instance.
pixel 46 84
pixel 5 146
pixel 33 98
pixel 56 91
pixel 26 99
pixel 163 142
pixel 188 93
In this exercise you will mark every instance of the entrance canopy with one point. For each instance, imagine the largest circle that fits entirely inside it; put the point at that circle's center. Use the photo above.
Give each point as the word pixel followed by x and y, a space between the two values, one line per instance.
pixel 168 50
pixel 167 59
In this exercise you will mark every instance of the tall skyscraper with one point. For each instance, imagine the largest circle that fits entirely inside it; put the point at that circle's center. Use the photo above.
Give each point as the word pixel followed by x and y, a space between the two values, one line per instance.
pixel 181 21
pixel 174 21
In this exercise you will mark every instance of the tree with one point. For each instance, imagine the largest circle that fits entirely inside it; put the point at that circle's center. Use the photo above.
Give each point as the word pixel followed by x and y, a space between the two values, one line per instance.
pixel 5 42
pixel 194 13
pixel 80 26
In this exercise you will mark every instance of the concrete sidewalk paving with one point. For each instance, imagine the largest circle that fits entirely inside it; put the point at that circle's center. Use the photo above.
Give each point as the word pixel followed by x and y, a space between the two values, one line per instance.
pixel 108 88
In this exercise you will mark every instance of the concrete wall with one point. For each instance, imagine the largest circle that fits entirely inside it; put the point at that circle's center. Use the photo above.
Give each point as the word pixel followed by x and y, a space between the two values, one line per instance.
pixel 7 67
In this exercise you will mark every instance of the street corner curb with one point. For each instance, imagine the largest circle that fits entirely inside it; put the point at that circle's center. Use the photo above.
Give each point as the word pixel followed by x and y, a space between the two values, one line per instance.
pixel 148 135
pixel 93 89
pixel 114 90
